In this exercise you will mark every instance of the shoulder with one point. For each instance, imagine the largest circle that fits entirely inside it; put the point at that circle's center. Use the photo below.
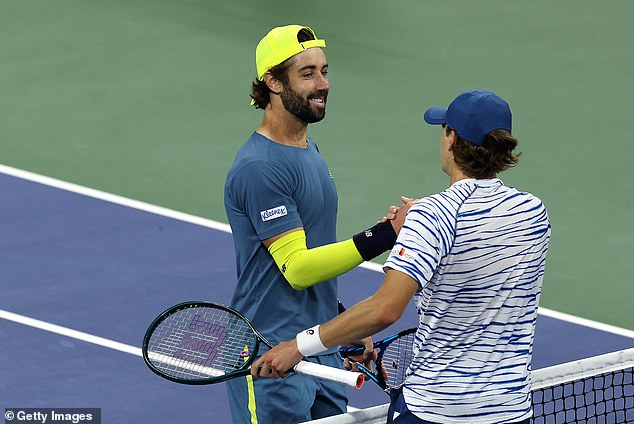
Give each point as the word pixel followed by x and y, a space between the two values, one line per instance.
pixel 527 199
pixel 447 201
pixel 434 211
pixel 524 206
pixel 255 157
pixel 255 148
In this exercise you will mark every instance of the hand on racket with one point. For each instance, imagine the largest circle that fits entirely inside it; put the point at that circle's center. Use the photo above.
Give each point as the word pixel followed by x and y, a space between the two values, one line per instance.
pixel 394 356
pixel 205 342
pixel 285 355
pixel 361 361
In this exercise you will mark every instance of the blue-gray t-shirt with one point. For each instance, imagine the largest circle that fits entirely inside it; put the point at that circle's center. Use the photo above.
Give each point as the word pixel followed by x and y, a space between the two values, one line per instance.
pixel 272 188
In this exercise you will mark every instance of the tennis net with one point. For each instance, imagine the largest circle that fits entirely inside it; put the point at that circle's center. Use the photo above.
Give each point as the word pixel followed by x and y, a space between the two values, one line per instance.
pixel 593 391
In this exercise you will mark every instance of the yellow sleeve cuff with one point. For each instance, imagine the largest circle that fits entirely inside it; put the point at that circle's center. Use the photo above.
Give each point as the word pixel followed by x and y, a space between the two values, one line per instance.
pixel 305 267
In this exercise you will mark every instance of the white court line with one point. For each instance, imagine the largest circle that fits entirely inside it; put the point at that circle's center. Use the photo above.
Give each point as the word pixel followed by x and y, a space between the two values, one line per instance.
pixel 169 213
pixel 64 331
pixel 135 204
pixel 586 322
pixel 113 198
pixel 89 338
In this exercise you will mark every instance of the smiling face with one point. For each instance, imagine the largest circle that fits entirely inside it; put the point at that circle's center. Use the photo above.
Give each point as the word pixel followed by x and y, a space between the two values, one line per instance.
pixel 306 92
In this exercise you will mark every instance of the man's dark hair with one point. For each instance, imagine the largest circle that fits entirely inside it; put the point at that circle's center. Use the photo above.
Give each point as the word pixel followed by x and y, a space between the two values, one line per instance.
pixel 260 92
pixel 485 161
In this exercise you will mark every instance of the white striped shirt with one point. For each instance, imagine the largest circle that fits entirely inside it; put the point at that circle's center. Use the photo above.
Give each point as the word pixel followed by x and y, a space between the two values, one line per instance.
pixel 478 251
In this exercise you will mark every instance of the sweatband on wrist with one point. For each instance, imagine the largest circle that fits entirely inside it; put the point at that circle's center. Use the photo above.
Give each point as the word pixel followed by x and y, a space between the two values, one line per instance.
pixel 309 343
pixel 376 240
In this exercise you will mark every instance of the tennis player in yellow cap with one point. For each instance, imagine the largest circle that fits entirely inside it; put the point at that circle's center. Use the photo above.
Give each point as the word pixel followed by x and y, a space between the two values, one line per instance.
pixel 281 202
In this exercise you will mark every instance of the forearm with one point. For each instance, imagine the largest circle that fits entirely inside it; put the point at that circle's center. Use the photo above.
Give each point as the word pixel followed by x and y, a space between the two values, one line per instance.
pixel 303 267
pixel 367 317
pixel 364 319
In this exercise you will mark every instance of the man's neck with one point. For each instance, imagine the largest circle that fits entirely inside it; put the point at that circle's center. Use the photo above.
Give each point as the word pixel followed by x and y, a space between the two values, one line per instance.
pixel 457 176
pixel 283 127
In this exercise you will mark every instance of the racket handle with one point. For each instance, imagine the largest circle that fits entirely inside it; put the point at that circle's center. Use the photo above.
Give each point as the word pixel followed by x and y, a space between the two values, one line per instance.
pixel 353 379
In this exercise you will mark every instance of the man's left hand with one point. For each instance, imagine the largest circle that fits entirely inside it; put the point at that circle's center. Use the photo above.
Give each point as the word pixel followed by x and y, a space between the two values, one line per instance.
pixel 368 356
pixel 278 361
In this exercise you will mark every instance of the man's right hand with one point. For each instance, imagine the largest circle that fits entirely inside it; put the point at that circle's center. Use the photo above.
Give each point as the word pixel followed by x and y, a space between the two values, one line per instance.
pixel 396 214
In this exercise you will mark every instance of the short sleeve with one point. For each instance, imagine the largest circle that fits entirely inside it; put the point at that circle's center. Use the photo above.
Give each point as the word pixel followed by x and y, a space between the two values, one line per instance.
pixel 264 194
pixel 420 245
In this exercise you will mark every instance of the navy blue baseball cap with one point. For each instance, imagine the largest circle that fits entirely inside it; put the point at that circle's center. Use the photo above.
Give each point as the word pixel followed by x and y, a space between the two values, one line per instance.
pixel 473 114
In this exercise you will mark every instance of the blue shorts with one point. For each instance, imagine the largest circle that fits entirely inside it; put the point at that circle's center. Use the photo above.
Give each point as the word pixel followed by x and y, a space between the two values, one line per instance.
pixel 293 399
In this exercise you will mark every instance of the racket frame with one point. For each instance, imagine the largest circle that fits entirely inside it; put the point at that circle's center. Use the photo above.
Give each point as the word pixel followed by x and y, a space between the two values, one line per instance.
pixel 243 370
pixel 382 345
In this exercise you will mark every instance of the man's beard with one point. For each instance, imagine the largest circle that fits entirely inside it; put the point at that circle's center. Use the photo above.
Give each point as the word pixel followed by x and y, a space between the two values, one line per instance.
pixel 300 106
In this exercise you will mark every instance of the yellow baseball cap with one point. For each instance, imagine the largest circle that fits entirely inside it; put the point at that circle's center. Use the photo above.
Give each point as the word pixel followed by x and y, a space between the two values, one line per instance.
pixel 280 44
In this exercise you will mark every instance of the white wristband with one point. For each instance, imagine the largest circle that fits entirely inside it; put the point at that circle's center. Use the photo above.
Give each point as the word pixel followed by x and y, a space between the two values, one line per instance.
pixel 309 343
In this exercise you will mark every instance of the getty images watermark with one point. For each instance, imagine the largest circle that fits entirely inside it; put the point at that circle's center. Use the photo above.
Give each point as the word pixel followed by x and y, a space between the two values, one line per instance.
pixel 52 415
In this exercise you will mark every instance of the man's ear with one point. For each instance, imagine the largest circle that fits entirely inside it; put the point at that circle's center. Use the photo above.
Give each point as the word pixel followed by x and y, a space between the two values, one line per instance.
pixel 273 83
pixel 453 137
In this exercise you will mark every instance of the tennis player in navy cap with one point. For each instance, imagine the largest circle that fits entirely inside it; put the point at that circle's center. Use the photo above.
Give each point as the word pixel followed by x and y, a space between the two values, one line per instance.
pixel 473 259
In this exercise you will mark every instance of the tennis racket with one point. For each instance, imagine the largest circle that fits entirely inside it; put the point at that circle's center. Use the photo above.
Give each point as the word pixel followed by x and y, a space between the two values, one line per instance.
pixel 205 342
pixel 394 356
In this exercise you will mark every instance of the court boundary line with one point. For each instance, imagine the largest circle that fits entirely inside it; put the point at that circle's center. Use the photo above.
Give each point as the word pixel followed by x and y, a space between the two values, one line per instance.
pixel 220 226
pixel 69 332
pixel 80 335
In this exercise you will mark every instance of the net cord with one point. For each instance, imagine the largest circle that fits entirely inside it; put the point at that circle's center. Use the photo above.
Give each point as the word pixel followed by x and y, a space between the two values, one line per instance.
pixel 543 377
pixel 584 368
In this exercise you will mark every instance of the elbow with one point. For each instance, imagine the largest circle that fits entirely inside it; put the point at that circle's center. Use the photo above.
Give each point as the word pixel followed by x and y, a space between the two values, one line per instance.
pixel 297 285
pixel 387 315
pixel 297 282
pixel 300 277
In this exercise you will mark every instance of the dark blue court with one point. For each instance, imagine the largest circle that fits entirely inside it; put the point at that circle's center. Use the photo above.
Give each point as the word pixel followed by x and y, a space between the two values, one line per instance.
pixel 107 270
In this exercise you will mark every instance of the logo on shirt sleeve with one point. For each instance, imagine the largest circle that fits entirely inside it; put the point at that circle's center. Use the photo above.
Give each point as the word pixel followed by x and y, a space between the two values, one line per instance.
pixel 273 213
pixel 405 254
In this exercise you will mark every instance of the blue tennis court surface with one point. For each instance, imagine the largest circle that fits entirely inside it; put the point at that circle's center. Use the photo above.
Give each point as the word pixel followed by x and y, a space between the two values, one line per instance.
pixel 106 270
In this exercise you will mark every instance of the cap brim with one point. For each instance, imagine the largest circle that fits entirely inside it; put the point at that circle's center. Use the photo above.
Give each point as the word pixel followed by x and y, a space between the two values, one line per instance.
pixel 436 115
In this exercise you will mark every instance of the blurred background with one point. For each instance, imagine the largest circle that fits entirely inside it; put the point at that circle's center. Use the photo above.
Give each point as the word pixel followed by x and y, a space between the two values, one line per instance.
pixel 150 100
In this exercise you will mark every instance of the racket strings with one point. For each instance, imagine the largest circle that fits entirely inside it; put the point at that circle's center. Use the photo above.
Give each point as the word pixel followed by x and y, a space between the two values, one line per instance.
pixel 195 343
pixel 395 360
